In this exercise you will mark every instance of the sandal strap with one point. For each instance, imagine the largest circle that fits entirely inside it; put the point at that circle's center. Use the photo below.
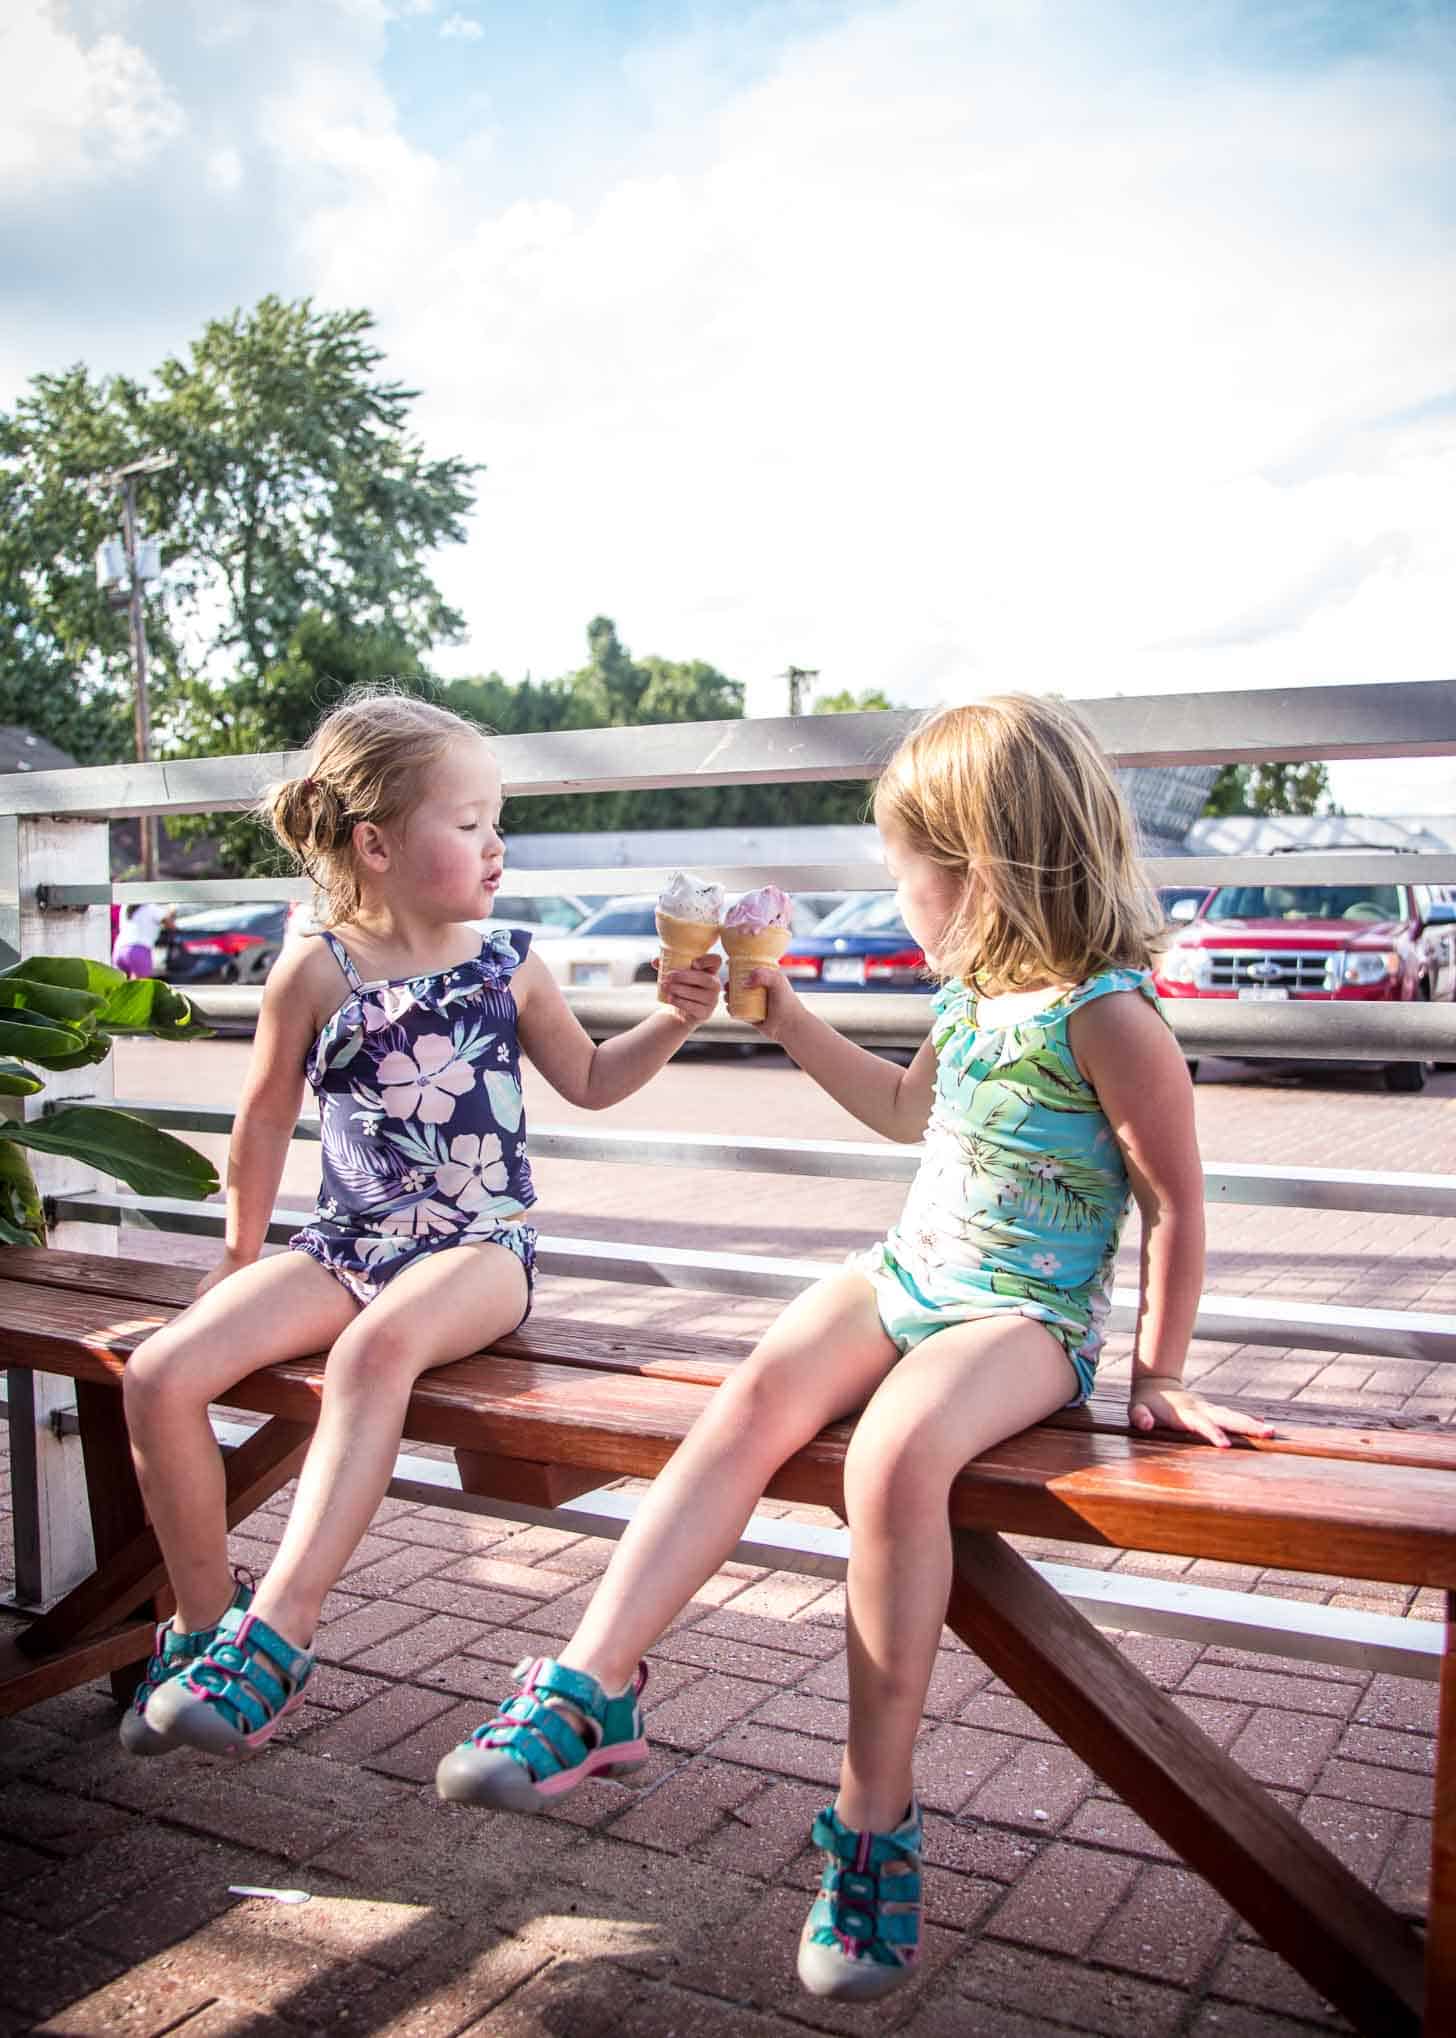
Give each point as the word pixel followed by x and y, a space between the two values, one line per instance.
pixel 869 1895
pixel 173 1647
pixel 250 1672
pixel 537 1734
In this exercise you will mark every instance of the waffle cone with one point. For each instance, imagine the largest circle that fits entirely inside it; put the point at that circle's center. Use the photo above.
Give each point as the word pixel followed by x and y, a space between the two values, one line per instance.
pixel 749 948
pixel 683 941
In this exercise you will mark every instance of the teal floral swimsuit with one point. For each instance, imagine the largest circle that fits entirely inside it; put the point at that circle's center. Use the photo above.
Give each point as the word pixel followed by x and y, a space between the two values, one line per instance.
pixel 1019 1202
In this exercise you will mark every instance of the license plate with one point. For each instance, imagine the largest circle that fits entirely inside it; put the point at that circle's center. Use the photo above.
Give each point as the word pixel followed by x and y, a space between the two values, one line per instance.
pixel 591 973
pixel 844 969
pixel 1264 995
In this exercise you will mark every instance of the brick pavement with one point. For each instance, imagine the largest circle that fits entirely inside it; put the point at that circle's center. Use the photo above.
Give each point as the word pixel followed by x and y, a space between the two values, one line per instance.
pixel 673 1905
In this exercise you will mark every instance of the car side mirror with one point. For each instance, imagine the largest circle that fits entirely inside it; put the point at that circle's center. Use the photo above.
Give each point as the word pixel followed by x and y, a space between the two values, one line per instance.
pixel 1183 911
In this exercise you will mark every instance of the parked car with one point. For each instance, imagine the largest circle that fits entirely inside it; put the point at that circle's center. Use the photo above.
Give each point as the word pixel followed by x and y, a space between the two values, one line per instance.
pixel 618 944
pixel 543 912
pixel 1355 942
pixel 223 945
pixel 863 945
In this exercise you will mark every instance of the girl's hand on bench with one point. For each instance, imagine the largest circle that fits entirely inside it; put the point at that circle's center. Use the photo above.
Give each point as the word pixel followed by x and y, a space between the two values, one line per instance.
pixel 1156 1402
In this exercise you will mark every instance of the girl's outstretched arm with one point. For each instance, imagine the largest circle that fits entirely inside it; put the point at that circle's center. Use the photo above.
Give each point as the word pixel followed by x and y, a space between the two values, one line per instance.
pixel 1132 1061
pixel 297 990
pixel 888 1099
pixel 597 1074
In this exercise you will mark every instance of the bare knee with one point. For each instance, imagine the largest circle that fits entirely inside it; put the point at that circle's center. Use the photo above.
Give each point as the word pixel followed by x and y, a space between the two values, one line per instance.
pixel 894 1474
pixel 368 1356
pixel 154 1377
pixel 761 1409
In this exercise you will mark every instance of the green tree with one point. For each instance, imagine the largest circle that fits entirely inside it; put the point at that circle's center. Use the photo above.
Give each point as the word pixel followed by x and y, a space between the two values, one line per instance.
pixel 615 690
pixel 1271 789
pixel 297 523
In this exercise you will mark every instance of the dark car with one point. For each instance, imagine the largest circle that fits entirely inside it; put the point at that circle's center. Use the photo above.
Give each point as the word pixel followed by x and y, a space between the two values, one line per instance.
pixel 863 945
pixel 229 945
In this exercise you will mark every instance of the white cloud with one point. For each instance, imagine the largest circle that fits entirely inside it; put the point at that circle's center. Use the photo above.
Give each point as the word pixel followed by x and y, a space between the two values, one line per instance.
pixel 947 345
pixel 460 28
pixel 75 111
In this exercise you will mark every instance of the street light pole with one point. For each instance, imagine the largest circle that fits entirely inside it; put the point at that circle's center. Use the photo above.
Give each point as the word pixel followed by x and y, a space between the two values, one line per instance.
pixel 796 676
pixel 125 478
pixel 148 822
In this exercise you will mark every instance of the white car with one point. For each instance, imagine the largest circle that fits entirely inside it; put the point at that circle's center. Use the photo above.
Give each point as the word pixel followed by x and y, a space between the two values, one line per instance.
pixel 618 945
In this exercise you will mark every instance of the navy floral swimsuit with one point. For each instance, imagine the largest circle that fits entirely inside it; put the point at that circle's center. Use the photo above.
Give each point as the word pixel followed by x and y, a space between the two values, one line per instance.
pixel 422 1121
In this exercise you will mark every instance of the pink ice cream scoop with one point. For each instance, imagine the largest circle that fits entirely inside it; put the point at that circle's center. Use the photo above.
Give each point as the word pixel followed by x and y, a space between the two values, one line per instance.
pixel 767 907
pixel 755 935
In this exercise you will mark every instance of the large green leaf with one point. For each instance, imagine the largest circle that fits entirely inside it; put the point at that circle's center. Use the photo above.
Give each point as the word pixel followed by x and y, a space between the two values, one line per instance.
pixel 51 1001
pixel 143 1156
pixel 16 1081
pixel 49 1041
pixel 146 1005
pixel 69 972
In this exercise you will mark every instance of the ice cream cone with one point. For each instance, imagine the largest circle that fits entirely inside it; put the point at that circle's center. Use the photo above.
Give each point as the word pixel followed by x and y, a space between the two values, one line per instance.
pixel 683 941
pixel 749 948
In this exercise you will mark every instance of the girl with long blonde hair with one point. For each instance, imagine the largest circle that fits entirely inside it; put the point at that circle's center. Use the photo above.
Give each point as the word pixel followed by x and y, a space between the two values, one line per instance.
pixel 1049 1094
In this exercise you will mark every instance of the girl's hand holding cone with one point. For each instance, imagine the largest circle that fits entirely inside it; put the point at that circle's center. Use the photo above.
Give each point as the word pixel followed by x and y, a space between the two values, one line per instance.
pixel 692 993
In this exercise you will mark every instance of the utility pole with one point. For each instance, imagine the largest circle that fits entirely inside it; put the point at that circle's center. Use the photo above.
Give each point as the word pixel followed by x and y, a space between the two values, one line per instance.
pixel 796 676
pixel 125 479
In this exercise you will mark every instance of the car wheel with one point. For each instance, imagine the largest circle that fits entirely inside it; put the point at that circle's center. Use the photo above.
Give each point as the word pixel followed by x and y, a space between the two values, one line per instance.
pixel 1193 1071
pixel 1405 1075
pixel 645 975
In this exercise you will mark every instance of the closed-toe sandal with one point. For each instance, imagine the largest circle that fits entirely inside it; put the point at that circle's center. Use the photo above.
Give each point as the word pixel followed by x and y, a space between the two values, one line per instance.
pixel 531 1751
pixel 237 1694
pixel 172 1653
pixel 863 1934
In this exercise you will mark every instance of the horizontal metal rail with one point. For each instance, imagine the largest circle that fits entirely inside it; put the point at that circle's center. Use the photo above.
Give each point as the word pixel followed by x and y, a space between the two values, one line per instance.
pixel 1283 724
pixel 1408 1195
pixel 1301 1029
pixel 627 880
pixel 1421 1335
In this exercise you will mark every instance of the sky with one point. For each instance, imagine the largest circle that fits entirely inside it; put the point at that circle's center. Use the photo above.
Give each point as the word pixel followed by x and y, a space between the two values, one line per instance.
pixel 939 345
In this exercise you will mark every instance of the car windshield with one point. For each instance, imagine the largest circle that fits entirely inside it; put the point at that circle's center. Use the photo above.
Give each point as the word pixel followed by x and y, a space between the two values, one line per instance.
pixel 538 910
pixel 870 913
pixel 1305 902
pixel 638 920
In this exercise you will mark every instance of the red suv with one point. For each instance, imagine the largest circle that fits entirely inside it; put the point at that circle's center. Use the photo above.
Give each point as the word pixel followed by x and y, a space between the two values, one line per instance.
pixel 1275 942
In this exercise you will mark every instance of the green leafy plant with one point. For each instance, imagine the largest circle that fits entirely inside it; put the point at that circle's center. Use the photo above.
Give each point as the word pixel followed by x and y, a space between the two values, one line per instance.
pixel 63 1012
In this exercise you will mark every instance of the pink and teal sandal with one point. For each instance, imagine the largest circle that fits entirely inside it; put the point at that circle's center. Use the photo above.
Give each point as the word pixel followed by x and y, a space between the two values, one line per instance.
pixel 862 1936
pixel 173 1652
pixel 530 1751
pixel 237 1694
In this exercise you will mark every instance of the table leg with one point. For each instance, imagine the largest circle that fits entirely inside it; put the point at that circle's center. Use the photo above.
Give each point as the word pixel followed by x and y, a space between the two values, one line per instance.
pixel 1334 1931
pixel 1441 1916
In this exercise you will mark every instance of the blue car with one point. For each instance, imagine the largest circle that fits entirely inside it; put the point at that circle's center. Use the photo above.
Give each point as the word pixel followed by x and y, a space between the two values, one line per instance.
pixel 862 945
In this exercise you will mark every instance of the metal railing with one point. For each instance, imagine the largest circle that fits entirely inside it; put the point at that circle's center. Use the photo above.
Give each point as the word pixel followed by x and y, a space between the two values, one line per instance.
pixel 55 890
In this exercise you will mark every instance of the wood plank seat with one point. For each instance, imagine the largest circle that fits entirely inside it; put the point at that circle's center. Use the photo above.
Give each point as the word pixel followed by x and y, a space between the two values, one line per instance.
pixel 561 1406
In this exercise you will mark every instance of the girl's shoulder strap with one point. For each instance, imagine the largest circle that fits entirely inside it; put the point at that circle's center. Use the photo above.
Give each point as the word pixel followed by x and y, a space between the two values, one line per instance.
pixel 504 948
pixel 1106 981
pixel 342 957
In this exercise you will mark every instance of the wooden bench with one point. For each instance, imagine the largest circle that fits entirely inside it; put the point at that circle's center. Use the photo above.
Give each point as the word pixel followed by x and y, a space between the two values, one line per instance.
pixel 559 1407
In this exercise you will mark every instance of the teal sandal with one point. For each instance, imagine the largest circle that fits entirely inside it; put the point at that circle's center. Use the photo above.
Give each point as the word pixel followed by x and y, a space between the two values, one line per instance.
pixel 238 1693
pixel 530 1752
pixel 862 1936
pixel 173 1651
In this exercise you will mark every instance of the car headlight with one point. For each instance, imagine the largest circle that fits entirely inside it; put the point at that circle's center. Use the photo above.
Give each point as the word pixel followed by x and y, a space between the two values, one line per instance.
pixel 1188 966
pixel 1370 966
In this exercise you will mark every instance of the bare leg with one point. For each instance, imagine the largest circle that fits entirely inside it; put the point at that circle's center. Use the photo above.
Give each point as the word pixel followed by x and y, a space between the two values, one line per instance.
pixel 948 1400
pixel 278 1308
pixel 822 1359
pixel 442 1308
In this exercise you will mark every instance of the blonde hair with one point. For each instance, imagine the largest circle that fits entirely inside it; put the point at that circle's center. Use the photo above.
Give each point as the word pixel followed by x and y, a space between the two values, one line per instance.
pixel 368 761
pixel 1014 796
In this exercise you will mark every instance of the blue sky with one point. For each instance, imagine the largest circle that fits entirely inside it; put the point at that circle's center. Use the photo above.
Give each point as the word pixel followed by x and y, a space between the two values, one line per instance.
pixel 935 343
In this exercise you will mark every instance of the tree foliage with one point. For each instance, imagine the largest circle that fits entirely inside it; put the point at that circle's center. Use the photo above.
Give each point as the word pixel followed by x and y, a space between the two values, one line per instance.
pixel 296 522
pixel 1271 789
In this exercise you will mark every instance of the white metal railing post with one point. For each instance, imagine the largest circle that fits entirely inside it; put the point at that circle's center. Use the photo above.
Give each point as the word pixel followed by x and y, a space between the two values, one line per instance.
pixel 52 1526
